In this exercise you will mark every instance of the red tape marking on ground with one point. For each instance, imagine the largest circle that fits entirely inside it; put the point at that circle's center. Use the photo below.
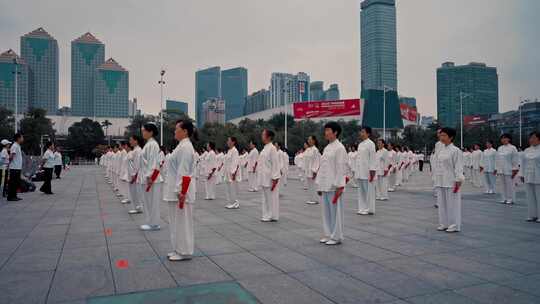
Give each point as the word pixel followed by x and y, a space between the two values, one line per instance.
pixel 108 232
pixel 122 264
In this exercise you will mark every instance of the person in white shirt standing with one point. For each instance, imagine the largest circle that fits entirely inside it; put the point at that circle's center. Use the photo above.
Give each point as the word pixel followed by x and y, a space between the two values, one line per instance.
pixel 284 156
pixel 467 163
pixel 448 179
pixel 506 166
pixel 153 181
pixel 135 174
pixel 252 157
pixel 299 163
pixel 219 174
pixel 15 167
pixel 383 166
pixel 211 172
pixel 365 169
pixel 392 158
pixel 312 157
pixel 331 181
pixel 487 167
pixel 268 175
pixel 476 159
pixel 48 167
pixel 57 162
pixel 123 183
pixel 231 166
pixel 4 164
pixel 530 175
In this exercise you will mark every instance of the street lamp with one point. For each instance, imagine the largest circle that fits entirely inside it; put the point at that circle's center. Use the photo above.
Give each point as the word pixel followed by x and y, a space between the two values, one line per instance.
pixel 288 84
pixel 521 103
pixel 461 96
pixel 161 82
pixel 16 73
pixel 385 88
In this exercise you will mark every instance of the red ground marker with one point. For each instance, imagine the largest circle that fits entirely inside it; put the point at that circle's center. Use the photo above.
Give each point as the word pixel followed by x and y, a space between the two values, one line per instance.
pixel 108 232
pixel 122 264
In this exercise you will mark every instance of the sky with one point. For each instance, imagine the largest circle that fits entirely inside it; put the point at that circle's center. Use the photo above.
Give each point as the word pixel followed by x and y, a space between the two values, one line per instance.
pixel 319 37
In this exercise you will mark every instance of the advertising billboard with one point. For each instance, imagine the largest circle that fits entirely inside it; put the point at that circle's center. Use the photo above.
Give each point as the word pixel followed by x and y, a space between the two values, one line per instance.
pixel 408 113
pixel 475 120
pixel 330 108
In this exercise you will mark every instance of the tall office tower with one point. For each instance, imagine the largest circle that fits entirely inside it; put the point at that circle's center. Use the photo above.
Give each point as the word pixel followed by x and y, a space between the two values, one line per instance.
pixel 316 90
pixel 301 87
pixel 8 66
pixel 257 102
pixel 234 88
pixel 332 93
pixel 111 90
pixel 378 44
pixel 478 86
pixel 40 52
pixel 214 110
pixel 87 53
pixel 287 88
pixel 207 86
pixel 177 106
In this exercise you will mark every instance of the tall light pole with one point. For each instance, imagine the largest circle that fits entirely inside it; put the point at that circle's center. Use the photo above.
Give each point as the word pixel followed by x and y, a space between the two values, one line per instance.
pixel 288 84
pixel 521 103
pixel 461 96
pixel 385 88
pixel 16 73
pixel 161 82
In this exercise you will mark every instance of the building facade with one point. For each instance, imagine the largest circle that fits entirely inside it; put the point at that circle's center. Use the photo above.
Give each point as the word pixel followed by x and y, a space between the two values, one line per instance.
pixel 9 63
pixel 475 84
pixel 87 53
pixel 234 89
pixel 508 122
pixel 207 86
pixel 40 52
pixel 289 88
pixel 332 93
pixel 177 106
pixel 316 90
pixel 410 101
pixel 257 102
pixel 378 44
pixel 111 90
pixel 214 111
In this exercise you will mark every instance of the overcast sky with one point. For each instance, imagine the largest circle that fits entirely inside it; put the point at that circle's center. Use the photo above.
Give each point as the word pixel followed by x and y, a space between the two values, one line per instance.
pixel 320 37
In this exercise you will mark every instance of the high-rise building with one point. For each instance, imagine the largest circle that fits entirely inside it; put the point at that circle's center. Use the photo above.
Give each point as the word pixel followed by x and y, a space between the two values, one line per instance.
pixel 332 93
pixel 7 82
pixel 40 52
pixel 87 53
pixel 475 84
pixel 214 111
pixel 410 101
pixel 111 90
pixel 132 108
pixel 316 90
pixel 207 86
pixel 234 88
pixel 378 44
pixel 289 88
pixel 178 106
pixel 257 102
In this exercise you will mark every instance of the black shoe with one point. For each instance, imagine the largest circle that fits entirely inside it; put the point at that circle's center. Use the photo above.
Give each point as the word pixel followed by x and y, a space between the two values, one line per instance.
pixel 14 199
pixel 48 193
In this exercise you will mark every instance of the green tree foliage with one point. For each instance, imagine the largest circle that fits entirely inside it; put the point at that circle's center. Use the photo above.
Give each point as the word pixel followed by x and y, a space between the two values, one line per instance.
pixel 84 136
pixel 33 126
pixel 6 124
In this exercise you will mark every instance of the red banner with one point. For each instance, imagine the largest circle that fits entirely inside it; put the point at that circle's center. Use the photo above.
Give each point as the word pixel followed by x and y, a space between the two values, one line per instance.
pixel 330 108
pixel 407 112
pixel 474 120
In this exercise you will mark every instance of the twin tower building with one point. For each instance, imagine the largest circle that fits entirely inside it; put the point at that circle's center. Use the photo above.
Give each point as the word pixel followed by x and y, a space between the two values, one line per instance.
pixel 99 87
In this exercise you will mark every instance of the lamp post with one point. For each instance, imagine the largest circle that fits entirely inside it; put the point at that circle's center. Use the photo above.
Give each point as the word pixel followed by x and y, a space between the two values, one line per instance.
pixel 461 96
pixel 385 88
pixel 16 73
pixel 288 84
pixel 161 82
pixel 521 103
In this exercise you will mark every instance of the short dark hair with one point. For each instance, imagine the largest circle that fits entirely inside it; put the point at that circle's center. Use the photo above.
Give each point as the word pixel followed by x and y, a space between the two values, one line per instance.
pixel 188 126
pixel 367 129
pixel 535 134
pixel 17 136
pixel 507 135
pixel 269 133
pixel 48 144
pixel 234 140
pixel 489 141
pixel 314 138
pixel 124 143
pixel 138 139
pixel 334 126
pixel 150 127
pixel 212 145
pixel 450 132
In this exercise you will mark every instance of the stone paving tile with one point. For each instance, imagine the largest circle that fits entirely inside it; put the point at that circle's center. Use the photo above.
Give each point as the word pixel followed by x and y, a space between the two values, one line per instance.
pixel 197 271
pixel 446 297
pixel 492 293
pixel 80 283
pixel 32 261
pixel 244 265
pixel 287 260
pixel 530 284
pixel 24 287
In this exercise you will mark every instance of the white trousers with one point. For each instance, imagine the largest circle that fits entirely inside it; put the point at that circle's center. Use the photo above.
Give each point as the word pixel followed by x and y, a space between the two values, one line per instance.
pixel 490 180
pixel 181 227
pixel 152 199
pixel 449 207
pixel 252 181
pixel 508 193
pixel 366 195
pixel 232 191
pixel 132 194
pixel 210 187
pixel 382 187
pixel 399 177
pixel 533 200
pixel 391 180
pixel 270 203
pixel 332 216
pixel 312 190
pixel 124 188
pixel 476 178
pixel 284 177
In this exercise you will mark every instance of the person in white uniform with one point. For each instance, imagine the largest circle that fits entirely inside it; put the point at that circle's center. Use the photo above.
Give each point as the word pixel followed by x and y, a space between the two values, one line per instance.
pixel 48 167
pixel 365 169
pixel 530 175
pixel 448 178
pixel 268 175
pixel 383 166
pixel 488 167
pixel 4 164
pixel 506 167
pixel 299 163
pixel 284 156
pixel 467 163
pixel 331 182
pixel 392 158
pixel 210 174
pixel 123 176
pixel 15 167
pixel 476 159
pixel 57 162
pixel 219 174
pixel 399 166
pixel 230 170
pixel 153 181
pixel 312 157
pixel 252 157
pixel 135 174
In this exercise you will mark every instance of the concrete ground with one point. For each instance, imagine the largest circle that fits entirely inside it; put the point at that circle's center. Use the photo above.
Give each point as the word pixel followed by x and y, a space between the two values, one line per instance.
pixel 80 246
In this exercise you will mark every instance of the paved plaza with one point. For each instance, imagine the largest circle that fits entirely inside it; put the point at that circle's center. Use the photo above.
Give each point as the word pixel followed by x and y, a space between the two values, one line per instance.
pixel 81 246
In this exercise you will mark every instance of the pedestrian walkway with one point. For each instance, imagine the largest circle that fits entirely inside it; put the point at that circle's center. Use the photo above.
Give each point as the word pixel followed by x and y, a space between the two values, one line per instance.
pixel 81 246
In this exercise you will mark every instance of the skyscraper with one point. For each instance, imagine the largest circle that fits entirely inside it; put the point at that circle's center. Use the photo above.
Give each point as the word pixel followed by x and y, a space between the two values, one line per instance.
pixel 332 93
pixel 234 88
pixel 40 52
pixel 214 110
pixel 207 86
pixel 256 102
pixel 178 106
pixel 477 83
pixel 111 90
pixel 378 44
pixel 7 82
pixel 87 53
pixel 288 88
pixel 316 90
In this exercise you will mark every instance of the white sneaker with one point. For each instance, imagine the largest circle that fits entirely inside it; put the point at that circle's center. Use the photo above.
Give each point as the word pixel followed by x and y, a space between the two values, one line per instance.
pixel 391 190
pixel 509 202
pixel 333 242
pixel 324 240
pixel 312 203
pixel 442 228
pixel 170 254
pixel 266 220
pixel 234 205
pixel 452 228
pixel 363 212
pixel 177 257
pixel 125 201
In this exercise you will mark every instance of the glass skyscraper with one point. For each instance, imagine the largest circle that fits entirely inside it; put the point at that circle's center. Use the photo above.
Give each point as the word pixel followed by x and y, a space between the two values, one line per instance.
pixel 111 90
pixel 234 89
pixel 40 52
pixel 207 86
pixel 378 44
pixel 87 53
pixel 7 82
pixel 479 85
pixel 178 106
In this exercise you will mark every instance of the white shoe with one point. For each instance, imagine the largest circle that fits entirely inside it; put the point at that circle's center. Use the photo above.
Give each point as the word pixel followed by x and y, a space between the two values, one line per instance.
pixel 177 257
pixel 333 242
pixel 170 254
pixel 135 211
pixel 391 190
pixel 452 229
pixel 234 205
pixel 363 212
pixel 266 220
pixel 324 240
pixel 509 202
pixel 312 203
pixel 442 228
pixel 150 227
pixel 125 201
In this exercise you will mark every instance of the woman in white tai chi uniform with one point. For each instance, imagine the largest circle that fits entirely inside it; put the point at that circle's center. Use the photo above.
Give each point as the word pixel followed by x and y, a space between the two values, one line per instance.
pixel 135 174
pixel 506 166
pixel 153 181
pixel 383 166
pixel 252 157
pixel 530 175
pixel 268 177
pixel 211 172
pixel 231 167
pixel 364 171
pixel 312 156
pixel 488 167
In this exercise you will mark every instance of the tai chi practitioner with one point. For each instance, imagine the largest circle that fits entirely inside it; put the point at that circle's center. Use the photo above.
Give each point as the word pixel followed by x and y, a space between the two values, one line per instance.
pixel 488 167
pixel 219 175
pixel 108 164
pixel 476 159
pixel 152 161
pixel 114 167
pixel 530 175
pixel 243 160
pixel 299 163
pixel 383 166
pixel 202 165
pixel 350 164
pixel 252 158
pixel 331 182
pixel 448 180
pixel 230 170
pixel 364 172
pixel 284 165
pixel 467 163
pixel 48 167
pixel 57 162
pixel 210 175
pixel 268 175
pixel 312 157
pixel 135 175
pixel 123 175
pixel 392 158
pixel 399 166
pixel 506 166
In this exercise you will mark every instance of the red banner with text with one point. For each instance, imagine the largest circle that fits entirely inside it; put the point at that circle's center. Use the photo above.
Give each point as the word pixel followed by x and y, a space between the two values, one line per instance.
pixel 407 112
pixel 329 108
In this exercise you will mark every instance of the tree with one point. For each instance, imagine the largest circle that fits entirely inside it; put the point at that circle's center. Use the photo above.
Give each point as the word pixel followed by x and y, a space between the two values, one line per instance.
pixel 6 121
pixel 134 128
pixel 33 126
pixel 84 136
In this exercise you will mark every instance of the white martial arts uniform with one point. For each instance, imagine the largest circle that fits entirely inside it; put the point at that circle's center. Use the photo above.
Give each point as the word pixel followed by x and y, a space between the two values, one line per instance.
pixel 219 172
pixel 284 168
pixel 448 170
pixel 400 163
pixel 152 160
pixel 211 168
pixel 268 169
pixel 351 157
pixel 506 161
pixel 383 165
pixel 231 167
pixel 364 164
pixel 312 158
pixel 392 157
pixel 135 178
pixel 242 160
pixel 488 165
pixel 252 157
pixel 123 176
pixel 467 164
pixel 476 158
pixel 530 172
pixel 332 176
